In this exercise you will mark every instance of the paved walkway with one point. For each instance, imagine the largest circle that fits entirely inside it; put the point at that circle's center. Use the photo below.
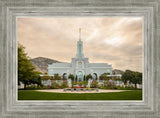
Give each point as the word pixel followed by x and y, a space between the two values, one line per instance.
pixel 69 91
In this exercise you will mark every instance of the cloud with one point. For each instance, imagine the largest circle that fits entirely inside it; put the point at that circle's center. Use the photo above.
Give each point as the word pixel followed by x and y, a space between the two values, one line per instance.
pixel 113 40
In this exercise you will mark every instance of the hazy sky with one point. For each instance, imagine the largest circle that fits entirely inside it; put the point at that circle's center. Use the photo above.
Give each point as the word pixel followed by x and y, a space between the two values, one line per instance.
pixel 113 40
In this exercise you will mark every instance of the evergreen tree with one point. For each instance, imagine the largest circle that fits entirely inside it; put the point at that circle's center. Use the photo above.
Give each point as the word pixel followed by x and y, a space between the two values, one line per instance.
pixel 71 76
pixel 88 77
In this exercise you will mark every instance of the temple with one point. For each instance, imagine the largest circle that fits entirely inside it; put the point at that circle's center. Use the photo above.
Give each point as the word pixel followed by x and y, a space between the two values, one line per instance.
pixel 79 66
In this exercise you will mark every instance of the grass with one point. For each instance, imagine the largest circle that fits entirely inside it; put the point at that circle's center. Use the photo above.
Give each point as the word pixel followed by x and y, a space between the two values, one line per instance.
pixel 35 95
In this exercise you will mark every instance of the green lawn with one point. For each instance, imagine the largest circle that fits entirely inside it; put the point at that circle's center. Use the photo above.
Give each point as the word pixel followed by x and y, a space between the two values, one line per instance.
pixel 34 95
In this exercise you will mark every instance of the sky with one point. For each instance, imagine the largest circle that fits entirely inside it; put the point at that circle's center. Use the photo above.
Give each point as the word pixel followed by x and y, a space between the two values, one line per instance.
pixel 113 40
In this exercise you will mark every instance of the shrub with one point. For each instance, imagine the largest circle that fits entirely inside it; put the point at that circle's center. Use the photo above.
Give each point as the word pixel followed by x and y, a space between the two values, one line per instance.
pixel 34 87
pixel 80 83
pixel 85 83
pixel 94 84
pixel 110 85
pixel 49 87
pixel 57 77
pixel 64 84
pixel 46 77
pixel 55 85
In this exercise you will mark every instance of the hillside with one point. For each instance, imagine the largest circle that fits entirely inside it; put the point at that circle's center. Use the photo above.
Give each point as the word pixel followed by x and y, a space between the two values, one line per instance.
pixel 41 63
pixel 116 71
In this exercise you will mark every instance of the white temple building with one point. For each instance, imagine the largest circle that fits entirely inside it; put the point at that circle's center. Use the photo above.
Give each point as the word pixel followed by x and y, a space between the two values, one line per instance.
pixel 79 65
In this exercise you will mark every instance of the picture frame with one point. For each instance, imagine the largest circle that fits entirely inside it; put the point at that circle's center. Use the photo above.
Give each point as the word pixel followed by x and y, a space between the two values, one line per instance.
pixel 11 107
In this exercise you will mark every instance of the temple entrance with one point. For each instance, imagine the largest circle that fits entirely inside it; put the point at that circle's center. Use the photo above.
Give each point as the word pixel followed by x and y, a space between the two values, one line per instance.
pixel 79 76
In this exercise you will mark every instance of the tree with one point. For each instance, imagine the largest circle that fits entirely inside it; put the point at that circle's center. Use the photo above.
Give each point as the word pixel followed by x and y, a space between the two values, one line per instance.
pixel 35 78
pixel 106 73
pixel 132 77
pixel 56 76
pixel 46 77
pixel 88 77
pixel 71 76
pixel 76 78
pixel 137 79
pixel 104 77
pixel 26 71
pixel 38 82
pixel 127 76
pixel 84 78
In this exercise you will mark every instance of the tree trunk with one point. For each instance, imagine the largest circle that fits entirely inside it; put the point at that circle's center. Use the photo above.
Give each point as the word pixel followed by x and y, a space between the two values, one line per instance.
pixel 135 86
pixel 25 85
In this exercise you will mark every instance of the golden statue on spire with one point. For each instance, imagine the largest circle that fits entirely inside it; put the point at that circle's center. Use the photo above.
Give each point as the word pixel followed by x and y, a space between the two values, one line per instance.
pixel 79 29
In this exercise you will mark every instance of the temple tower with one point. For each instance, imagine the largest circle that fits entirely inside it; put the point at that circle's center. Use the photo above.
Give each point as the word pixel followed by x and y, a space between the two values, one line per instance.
pixel 80 46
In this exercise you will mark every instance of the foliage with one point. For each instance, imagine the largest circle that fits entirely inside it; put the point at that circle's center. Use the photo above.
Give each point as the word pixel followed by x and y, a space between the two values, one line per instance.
pixel 46 77
pixel 127 76
pixel 104 77
pixel 132 77
pixel 80 83
pixel 84 78
pixel 57 77
pixel 116 78
pixel 106 73
pixel 55 85
pixel 76 78
pixel 64 84
pixel 34 87
pixel 94 84
pixel 36 79
pixel 125 88
pixel 119 88
pixel 85 83
pixel 111 84
pixel 71 76
pixel 137 79
pixel 88 77
pixel 26 71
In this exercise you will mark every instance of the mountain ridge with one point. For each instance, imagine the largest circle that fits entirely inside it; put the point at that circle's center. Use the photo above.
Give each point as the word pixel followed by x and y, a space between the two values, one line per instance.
pixel 41 63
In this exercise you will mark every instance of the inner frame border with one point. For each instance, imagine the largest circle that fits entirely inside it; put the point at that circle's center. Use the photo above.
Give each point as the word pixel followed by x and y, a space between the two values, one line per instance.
pixel 9 46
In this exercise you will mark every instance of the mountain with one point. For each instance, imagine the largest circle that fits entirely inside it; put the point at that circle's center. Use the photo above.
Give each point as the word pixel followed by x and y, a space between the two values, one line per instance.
pixel 41 63
pixel 116 71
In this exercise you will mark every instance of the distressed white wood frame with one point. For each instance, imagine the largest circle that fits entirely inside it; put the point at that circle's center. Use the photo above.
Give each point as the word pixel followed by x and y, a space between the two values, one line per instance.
pixel 149 107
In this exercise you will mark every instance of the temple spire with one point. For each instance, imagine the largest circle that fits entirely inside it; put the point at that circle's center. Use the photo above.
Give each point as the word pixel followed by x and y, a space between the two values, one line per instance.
pixel 79 33
pixel 80 46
